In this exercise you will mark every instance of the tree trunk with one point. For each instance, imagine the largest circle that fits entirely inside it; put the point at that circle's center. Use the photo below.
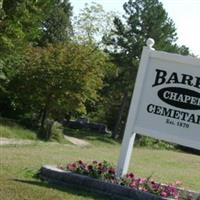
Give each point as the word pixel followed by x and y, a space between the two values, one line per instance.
pixel 42 124
pixel 39 117
pixel 117 130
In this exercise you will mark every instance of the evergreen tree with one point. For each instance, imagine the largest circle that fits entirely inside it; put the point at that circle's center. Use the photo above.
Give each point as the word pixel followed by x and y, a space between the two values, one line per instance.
pixel 56 25
pixel 142 19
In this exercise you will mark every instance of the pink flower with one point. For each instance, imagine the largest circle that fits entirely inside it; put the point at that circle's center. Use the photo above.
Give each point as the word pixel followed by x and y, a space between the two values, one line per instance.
pixel 144 190
pixel 163 194
pixel 142 180
pixel 132 184
pixel 71 167
pixel 105 171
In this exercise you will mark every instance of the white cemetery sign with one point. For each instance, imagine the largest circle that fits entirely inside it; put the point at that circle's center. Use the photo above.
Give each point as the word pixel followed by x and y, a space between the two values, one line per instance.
pixel 165 103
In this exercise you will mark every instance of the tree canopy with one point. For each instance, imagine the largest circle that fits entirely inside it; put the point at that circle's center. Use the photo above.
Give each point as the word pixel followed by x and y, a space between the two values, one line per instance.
pixel 92 23
pixel 56 24
pixel 143 19
pixel 51 64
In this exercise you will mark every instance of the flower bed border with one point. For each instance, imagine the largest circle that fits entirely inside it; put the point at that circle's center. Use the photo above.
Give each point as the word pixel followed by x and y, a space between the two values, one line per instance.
pixel 54 175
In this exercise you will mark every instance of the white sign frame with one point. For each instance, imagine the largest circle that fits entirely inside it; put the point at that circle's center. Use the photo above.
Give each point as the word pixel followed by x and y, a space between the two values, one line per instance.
pixel 131 127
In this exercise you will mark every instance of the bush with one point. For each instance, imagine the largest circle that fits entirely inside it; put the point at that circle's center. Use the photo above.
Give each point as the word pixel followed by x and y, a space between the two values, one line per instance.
pixel 56 132
pixel 145 141
pixel 8 122
pixel 29 122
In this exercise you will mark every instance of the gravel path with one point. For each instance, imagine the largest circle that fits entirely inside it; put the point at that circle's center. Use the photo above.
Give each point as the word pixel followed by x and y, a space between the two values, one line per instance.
pixel 73 140
pixel 78 142
pixel 7 141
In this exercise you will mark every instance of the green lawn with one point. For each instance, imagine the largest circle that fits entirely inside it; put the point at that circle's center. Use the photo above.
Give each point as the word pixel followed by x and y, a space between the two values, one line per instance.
pixel 19 163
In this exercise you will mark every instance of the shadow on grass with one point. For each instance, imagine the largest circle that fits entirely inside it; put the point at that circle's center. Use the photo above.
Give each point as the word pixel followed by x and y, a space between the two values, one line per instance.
pixel 90 135
pixel 64 188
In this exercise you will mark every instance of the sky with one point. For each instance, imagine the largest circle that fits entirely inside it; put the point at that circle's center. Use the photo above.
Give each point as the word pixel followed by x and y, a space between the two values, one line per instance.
pixel 184 13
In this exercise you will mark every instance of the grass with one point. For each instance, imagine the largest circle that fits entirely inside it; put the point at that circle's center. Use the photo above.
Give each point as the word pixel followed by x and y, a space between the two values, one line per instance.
pixel 12 130
pixel 19 163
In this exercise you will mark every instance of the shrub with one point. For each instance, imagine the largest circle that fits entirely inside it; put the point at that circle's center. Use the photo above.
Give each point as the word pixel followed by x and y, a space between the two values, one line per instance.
pixel 56 132
pixel 145 141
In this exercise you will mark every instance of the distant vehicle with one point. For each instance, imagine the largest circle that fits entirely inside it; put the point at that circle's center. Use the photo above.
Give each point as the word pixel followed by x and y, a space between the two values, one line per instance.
pixel 84 123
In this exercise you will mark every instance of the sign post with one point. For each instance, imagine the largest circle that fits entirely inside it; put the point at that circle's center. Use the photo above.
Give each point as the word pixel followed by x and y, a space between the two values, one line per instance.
pixel 165 103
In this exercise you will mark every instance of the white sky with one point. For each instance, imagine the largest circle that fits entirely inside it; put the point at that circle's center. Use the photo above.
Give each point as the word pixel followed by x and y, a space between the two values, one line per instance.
pixel 184 13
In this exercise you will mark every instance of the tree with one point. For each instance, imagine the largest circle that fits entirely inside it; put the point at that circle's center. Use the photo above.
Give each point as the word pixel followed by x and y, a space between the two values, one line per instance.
pixel 92 23
pixel 56 26
pixel 34 21
pixel 20 23
pixel 142 19
pixel 26 23
pixel 19 26
pixel 89 27
pixel 58 79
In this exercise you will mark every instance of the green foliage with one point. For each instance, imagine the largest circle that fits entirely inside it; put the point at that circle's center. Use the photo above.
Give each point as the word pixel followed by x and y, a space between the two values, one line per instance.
pixel 56 132
pixel 25 23
pixel 70 72
pixel 58 79
pixel 145 141
pixel 20 23
pixel 46 71
pixel 10 129
pixel 142 19
pixel 36 22
pixel 92 23
pixel 56 24
pixel 50 80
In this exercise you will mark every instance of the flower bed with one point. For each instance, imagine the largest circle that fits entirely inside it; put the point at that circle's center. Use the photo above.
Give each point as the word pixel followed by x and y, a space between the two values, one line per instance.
pixel 100 176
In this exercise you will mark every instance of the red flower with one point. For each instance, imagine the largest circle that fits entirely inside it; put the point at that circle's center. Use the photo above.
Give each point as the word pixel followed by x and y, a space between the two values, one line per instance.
pixel 153 182
pixel 80 162
pixel 130 175
pixel 100 164
pixel 111 170
pixel 74 165
pixel 90 167
pixel 94 162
